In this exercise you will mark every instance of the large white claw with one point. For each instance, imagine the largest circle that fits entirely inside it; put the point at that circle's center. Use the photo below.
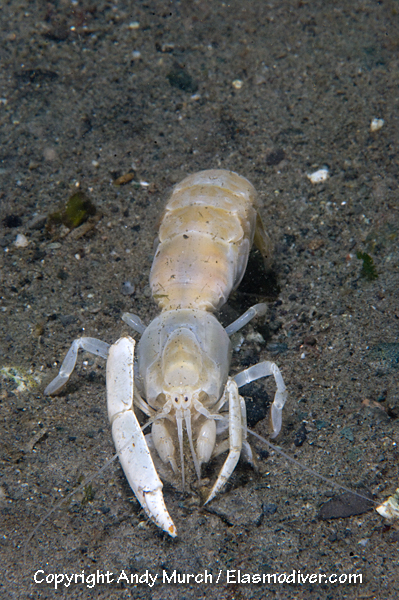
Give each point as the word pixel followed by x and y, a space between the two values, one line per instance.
pixel 128 437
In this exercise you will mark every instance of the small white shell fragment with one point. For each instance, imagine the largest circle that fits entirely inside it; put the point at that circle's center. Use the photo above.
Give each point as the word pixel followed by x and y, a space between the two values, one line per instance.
pixel 237 84
pixel 390 508
pixel 376 124
pixel 318 176
pixel 21 241
pixel 255 337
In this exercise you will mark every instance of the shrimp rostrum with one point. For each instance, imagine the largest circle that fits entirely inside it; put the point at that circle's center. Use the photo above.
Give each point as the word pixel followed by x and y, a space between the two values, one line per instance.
pixel 180 379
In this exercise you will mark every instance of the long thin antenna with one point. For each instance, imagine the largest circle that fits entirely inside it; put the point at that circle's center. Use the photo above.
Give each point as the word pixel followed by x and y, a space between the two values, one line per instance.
pixel 297 463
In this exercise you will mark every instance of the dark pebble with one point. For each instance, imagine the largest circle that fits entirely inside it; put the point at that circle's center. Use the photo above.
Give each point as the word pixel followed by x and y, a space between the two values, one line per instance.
pixel 300 436
pixel 345 505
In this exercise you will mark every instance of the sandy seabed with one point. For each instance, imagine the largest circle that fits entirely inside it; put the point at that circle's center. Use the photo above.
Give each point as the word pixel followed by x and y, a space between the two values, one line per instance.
pixel 275 91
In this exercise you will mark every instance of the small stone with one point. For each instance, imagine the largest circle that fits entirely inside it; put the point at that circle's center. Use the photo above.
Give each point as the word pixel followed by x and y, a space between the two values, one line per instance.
pixel 128 288
pixel 179 78
pixel 37 222
pixel 21 241
pixel 390 508
pixel 123 179
pixel 345 505
pixel 376 124
pixel 315 244
pixel 318 176
pixel 167 48
pixel 255 337
pixel 363 542
pixel 300 436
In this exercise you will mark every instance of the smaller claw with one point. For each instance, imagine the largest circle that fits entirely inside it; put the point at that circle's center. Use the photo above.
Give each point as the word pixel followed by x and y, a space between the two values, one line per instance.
pixel 235 438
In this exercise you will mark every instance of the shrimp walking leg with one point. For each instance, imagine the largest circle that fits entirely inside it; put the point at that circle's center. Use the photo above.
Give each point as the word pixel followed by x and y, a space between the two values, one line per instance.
pixel 246 450
pixel 235 437
pixel 134 322
pixel 257 310
pixel 264 369
pixel 92 345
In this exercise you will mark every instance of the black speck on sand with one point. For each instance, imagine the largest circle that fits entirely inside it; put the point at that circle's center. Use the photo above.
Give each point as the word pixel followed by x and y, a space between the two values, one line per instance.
pixel 86 96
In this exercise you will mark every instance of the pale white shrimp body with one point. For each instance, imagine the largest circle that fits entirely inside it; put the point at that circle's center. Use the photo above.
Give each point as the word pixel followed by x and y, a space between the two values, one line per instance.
pixel 181 376
pixel 183 357
pixel 204 240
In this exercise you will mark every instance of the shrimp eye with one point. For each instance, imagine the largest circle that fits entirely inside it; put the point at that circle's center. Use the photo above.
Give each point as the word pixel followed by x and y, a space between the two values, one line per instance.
pixel 176 400
pixel 185 399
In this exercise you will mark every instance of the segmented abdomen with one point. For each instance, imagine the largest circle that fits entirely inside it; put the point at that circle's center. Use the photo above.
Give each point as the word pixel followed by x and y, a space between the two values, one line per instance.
pixel 204 240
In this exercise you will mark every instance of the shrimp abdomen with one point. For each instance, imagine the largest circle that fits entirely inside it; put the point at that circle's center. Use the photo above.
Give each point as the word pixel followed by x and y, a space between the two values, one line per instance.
pixel 204 240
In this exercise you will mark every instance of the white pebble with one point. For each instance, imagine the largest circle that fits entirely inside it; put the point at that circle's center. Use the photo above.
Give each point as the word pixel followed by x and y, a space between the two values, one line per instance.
pixel 21 241
pixel 376 124
pixel 237 84
pixel 255 337
pixel 318 176
pixel 363 541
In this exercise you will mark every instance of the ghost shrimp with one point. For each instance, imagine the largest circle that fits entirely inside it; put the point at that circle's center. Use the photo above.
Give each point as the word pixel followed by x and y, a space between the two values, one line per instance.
pixel 180 379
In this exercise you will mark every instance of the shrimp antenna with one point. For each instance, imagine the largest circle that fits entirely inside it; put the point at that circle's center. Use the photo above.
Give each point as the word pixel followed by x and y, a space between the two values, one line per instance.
pixel 297 463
